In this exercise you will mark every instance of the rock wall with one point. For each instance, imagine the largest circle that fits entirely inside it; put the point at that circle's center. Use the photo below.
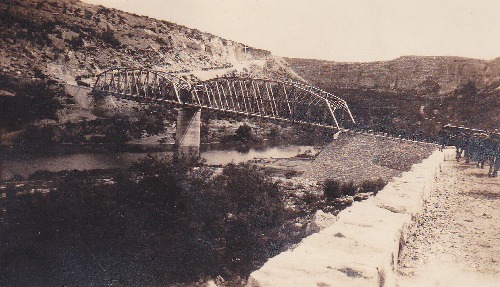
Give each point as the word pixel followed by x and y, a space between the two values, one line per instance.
pixel 409 73
pixel 361 248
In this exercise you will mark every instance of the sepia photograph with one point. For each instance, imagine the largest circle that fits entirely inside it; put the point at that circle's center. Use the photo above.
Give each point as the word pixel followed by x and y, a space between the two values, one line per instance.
pixel 250 143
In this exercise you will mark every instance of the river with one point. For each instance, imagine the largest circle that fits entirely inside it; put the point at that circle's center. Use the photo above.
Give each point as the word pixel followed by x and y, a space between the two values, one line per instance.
pixel 24 164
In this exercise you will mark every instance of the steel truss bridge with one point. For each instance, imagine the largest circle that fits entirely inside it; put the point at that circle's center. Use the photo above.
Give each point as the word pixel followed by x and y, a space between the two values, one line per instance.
pixel 285 101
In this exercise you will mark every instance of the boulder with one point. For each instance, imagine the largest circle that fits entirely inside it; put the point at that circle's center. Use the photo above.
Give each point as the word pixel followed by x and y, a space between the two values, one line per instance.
pixel 320 221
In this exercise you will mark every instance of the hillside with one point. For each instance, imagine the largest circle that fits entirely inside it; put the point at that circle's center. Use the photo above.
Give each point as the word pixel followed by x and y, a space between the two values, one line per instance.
pixel 416 74
pixel 412 94
pixel 44 44
pixel 65 39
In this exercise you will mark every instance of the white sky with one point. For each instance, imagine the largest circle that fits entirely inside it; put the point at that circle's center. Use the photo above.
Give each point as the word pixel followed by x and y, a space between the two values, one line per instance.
pixel 339 30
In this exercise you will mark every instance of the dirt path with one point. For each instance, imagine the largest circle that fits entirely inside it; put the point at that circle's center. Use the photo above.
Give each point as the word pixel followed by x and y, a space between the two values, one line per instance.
pixel 458 240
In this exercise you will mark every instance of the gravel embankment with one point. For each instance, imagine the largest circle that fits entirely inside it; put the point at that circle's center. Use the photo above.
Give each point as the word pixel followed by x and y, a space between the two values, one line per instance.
pixel 358 157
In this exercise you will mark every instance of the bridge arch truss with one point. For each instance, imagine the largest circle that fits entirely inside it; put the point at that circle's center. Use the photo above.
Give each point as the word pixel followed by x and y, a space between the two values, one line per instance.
pixel 253 97
pixel 141 85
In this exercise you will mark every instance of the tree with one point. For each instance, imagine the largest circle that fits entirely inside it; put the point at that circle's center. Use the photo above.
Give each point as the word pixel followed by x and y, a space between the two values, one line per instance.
pixel 33 101
pixel 244 133
pixel 469 89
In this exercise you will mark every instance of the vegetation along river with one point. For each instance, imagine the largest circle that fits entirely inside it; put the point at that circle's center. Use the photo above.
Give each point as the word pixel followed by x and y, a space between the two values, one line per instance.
pixel 24 164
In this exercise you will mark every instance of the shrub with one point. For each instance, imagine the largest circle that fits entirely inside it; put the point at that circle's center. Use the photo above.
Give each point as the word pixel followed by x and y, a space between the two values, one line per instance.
pixel 82 83
pixel 468 89
pixel 274 134
pixel 331 189
pixel 243 133
pixel 236 214
pixel 349 188
pixel 88 14
pixel 33 101
pixel 373 185
pixel 109 38
pixel 192 226
pixel 306 154
pixel 39 74
pixel 36 136
pixel 75 42
pixel 290 173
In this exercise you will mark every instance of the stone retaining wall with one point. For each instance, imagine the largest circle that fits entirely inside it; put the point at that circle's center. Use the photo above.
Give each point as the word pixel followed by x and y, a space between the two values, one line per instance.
pixel 361 248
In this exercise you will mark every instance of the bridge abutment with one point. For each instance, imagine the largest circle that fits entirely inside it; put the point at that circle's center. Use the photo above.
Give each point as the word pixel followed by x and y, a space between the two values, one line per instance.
pixel 187 134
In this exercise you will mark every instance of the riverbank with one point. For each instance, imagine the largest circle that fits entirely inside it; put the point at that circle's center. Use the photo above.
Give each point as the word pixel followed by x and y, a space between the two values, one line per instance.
pixel 20 163
pixel 457 242
pixel 149 225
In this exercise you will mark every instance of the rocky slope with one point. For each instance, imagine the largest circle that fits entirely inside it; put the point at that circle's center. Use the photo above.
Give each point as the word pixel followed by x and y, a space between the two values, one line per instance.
pixel 412 94
pixel 68 39
pixel 361 157
pixel 44 44
pixel 416 74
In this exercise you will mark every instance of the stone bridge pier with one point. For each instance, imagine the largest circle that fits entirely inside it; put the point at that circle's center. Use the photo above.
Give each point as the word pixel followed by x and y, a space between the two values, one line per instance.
pixel 187 134
pixel 187 138
pixel 272 100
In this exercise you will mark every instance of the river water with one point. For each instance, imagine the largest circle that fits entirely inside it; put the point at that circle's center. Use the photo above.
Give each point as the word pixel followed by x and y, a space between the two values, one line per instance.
pixel 26 163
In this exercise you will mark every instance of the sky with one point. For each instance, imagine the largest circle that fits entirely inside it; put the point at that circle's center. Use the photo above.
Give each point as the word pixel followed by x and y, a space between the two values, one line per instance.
pixel 339 30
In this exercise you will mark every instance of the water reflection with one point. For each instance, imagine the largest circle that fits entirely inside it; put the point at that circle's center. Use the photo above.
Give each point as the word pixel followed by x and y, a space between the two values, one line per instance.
pixel 216 157
pixel 26 164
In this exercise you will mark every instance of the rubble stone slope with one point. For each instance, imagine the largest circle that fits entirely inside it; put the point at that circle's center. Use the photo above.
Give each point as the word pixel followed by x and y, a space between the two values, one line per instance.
pixel 358 157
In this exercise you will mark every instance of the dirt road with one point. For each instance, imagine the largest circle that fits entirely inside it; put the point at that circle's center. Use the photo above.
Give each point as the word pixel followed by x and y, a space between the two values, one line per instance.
pixel 458 240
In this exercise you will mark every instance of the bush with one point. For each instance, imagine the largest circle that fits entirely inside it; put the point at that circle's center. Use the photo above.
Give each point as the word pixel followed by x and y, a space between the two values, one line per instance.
pixel 82 83
pixel 349 188
pixel 331 189
pixel 290 173
pixel 36 137
pixel 236 215
pixel 192 226
pixel 243 133
pixel 373 185
pixel 274 134
pixel 39 74
pixel 306 154
pixel 33 101
pixel 109 38
pixel 335 189
pixel 468 89
pixel 75 42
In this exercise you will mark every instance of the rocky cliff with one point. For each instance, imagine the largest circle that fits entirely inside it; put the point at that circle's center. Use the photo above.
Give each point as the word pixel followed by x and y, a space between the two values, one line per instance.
pixel 435 75
pixel 412 94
